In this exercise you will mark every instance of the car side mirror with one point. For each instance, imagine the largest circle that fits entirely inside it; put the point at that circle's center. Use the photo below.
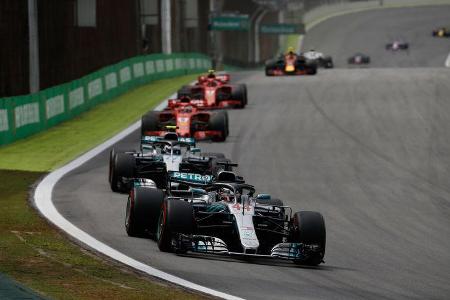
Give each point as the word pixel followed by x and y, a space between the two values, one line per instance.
pixel 263 197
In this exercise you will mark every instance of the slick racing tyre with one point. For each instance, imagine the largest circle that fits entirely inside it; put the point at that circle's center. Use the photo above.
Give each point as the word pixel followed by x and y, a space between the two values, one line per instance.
pixel 218 122
pixel 122 167
pixel 309 228
pixel 311 69
pixel 269 71
pixel 112 153
pixel 328 62
pixel 149 122
pixel 143 209
pixel 240 93
pixel 176 217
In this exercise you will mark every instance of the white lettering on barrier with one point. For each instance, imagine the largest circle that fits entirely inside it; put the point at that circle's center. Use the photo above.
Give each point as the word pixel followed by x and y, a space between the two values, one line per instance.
pixel 207 64
pixel 169 65
pixel 150 67
pixel 178 63
pixel 76 98
pixel 111 81
pixel 138 70
pixel 198 64
pixel 125 75
pixel 159 65
pixel 95 88
pixel 191 63
pixel 4 126
pixel 26 114
pixel 54 106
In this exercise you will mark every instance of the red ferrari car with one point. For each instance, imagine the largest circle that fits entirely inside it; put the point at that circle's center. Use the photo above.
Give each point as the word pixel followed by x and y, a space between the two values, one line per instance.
pixel 214 91
pixel 188 119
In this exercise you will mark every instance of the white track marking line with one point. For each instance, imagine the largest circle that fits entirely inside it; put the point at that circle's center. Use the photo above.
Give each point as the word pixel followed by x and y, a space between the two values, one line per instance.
pixel 44 203
pixel 447 61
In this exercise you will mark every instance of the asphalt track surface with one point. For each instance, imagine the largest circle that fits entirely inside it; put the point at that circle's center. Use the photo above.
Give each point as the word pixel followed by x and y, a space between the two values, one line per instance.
pixel 368 148
pixel 369 32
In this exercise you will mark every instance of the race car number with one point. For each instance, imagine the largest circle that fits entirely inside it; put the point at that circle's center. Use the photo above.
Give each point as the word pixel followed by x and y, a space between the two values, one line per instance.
pixel 237 206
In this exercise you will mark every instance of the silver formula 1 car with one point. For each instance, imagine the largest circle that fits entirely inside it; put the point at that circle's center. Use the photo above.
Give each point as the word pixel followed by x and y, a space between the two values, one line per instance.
pixel 397 45
pixel 224 216
pixel 158 156
pixel 359 59
pixel 322 61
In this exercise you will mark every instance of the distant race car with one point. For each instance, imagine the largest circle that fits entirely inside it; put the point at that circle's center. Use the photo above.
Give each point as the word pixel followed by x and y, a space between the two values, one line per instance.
pixel 157 157
pixel 290 64
pixel 320 59
pixel 397 45
pixel 359 59
pixel 188 119
pixel 215 91
pixel 441 32
pixel 223 216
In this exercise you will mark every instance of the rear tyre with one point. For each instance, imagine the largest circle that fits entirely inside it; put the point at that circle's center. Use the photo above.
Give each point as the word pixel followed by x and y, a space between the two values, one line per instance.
pixel 309 228
pixel 149 122
pixel 218 122
pixel 240 93
pixel 143 209
pixel 311 69
pixel 112 153
pixel 328 62
pixel 122 167
pixel 176 217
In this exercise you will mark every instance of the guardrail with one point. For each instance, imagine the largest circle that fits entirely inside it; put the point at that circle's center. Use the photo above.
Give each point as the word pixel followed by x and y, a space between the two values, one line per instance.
pixel 23 116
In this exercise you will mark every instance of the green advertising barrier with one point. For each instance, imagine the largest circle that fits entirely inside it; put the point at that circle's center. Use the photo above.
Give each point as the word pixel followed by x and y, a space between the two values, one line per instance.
pixel 23 116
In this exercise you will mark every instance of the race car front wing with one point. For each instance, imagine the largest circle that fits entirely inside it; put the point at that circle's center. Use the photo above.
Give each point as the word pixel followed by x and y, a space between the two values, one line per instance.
pixel 297 252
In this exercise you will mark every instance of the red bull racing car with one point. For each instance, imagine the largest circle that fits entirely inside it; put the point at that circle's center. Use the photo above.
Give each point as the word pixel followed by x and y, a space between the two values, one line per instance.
pixel 188 120
pixel 290 64
pixel 441 32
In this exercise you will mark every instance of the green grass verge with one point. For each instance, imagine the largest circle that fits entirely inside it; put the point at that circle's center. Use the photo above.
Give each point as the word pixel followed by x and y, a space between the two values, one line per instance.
pixel 60 144
pixel 37 255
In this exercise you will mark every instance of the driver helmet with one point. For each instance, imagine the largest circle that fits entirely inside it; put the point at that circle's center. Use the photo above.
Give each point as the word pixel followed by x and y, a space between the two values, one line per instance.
pixel 211 74
pixel 225 194
pixel 291 50
pixel 176 150
pixel 312 49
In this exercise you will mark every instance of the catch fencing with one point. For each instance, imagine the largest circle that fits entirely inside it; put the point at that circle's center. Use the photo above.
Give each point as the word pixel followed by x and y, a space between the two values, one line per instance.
pixel 23 116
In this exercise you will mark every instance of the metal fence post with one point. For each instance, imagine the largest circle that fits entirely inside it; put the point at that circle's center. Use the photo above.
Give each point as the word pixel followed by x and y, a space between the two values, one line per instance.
pixel 33 46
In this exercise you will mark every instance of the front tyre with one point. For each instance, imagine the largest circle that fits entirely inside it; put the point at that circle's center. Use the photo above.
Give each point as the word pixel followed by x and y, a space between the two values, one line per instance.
pixel 176 217
pixel 218 122
pixel 123 165
pixel 309 229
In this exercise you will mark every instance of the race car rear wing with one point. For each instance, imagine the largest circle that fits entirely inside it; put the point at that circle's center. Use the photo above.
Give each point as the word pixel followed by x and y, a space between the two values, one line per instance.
pixel 150 139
